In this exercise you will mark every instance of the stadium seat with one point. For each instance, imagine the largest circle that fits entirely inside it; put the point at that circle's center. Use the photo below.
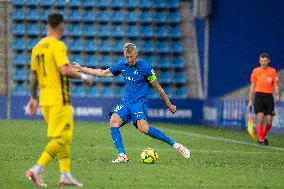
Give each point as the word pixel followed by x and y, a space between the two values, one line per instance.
pixel 107 80
pixel 131 4
pixel 131 17
pixel 117 17
pixel 104 31
pixel 144 4
pixel 151 60
pixel 117 46
pixel 31 3
pixel 32 15
pixel 77 58
pixel 106 61
pixel 147 32
pixel 89 30
pixel 173 17
pixel 161 32
pixel 74 15
pixel 132 31
pixel 173 4
pixel 103 17
pixel 146 17
pixel 164 77
pixel 18 2
pixel 18 14
pixel 78 91
pixel 76 45
pixel 177 47
pixel 118 31
pixel 88 3
pixel 117 4
pixel 33 29
pixel 164 62
pixel 90 46
pixel 168 92
pixel 60 3
pixel 19 75
pixel 107 92
pixel 119 79
pixel 148 46
pixel 179 77
pixel 152 93
pixel 159 4
pixel 89 16
pixel 105 46
pixel 45 13
pixel 31 43
pixel 19 29
pixel 159 17
pixel 163 47
pixel 93 92
pixel 180 93
pixel 175 32
pixel 19 44
pixel 119 92
pixel 47 3
pixel 102 3
pixel 91 60
pixel 75 30
pixel 20 59
pixel 178 62
pixel 20 90
pixel 74 3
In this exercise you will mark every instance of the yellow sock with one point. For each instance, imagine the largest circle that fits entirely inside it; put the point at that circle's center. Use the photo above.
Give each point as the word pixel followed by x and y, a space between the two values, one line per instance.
pixel 53 147
pixel 64 158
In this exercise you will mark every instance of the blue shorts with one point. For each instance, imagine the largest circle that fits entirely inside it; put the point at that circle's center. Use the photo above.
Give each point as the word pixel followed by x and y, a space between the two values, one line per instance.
pixel 132 111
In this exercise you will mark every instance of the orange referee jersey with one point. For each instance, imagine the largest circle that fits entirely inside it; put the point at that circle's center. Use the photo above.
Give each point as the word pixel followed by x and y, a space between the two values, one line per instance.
pixel 264 79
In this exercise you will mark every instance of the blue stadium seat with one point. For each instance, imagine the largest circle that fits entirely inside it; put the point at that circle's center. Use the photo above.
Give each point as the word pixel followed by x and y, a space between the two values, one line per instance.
pixel 18 2
pixel 117 17
pixel 102 3
pixel 147 32
pixel 177 47
pixel 33 29
pixel 159 17
pixel 107 80
pixel 75 30
pixel 89 30
pixel 74 3
pixel 144 4
pixel 161 32
pixel 32 15
pixel 91 60
pixel 103 17
pixel 104 31
pixel 18 14
pixel 31 43
pixel 74 15
pixel 117 4
pixel 173 4
pixel 178 62
pixel 168 92
pixel 90 46
pixel 78 91
pixel 132 31
pixel 163 47
pixel 180 93
pixel 175 32
pixel 19 29
pixel 131 4
pixel 117 46
pixel 77 58
pixel 164 77
pixel 106 61
pixel 76 45
pixel 88 3
pixel 105 46
pixel 45 13
pixel 19 44
pixel 20 90
pixel 131 17
pixel 31 3
pixel 151 60
pixel 47 3
pixel 119 92
pixel 89 16
pixel 107 92
pixel 179 78
pixel 19 75
pixel 152 93
pixel 146 17
pixel 164 62
pixel 93 92
pixel 119 79
pixel 60 3
pixel 159 4
pixel 20 59
pixel 118 31
pixel 148 46
pixel 173 17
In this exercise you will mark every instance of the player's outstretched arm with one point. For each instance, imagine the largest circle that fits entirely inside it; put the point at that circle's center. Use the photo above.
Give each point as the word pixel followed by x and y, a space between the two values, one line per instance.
pixel 98 72
pixel 163 95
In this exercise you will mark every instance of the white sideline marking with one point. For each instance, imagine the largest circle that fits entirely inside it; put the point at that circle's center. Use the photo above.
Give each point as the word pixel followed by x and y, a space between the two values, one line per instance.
pixel 222 139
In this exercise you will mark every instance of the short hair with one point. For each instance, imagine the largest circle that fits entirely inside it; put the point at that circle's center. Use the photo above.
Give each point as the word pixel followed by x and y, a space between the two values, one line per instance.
pixel 129 47
pixel 55 19
pixel 264 55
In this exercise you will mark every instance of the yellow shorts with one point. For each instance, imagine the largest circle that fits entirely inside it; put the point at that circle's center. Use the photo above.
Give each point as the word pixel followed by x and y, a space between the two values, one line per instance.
pixel 59 120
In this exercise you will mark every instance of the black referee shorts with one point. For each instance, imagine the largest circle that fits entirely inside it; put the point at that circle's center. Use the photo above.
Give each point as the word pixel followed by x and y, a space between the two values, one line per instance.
pixel 264 102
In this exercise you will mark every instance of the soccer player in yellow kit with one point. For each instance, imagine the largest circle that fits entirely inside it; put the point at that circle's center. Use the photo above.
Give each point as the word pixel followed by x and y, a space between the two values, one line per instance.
pixel 50 70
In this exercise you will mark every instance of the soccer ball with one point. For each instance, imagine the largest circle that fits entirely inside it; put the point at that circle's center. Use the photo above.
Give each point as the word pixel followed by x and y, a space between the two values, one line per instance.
pixel 149 156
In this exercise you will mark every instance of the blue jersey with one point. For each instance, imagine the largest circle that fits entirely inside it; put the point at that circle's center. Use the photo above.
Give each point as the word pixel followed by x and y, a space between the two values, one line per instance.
pixel 136 78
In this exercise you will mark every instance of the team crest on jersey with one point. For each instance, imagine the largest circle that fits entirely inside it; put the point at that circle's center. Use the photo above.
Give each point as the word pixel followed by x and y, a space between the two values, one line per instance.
pixel 269 79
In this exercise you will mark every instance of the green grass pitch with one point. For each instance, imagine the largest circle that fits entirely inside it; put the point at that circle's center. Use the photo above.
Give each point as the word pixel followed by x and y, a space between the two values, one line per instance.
pixel 220 158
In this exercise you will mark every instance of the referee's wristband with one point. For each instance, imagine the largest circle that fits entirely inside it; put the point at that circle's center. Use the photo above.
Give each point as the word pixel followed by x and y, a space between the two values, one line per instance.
pixel 83 76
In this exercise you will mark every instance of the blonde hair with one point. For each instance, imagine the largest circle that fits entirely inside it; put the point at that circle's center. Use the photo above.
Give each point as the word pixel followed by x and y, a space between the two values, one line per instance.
pixel 129 47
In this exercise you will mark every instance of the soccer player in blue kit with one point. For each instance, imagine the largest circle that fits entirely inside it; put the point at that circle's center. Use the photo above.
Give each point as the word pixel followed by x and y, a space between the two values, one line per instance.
pixel 137 74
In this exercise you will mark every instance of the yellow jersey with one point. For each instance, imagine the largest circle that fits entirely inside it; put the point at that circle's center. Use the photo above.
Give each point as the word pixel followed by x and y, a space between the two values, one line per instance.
pixel 48 56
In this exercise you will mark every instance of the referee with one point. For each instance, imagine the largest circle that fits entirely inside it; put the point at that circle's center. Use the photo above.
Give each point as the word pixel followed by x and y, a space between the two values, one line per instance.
pixel 264 81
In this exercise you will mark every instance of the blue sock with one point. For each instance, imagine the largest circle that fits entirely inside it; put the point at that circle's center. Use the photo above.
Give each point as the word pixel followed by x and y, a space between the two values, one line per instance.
pixel 158 134
pixel 117 139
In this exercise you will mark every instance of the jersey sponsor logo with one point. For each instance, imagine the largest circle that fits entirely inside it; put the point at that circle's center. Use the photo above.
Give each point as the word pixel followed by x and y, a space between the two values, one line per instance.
pixel 129 78
pixel 117 108
pixel 136 72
